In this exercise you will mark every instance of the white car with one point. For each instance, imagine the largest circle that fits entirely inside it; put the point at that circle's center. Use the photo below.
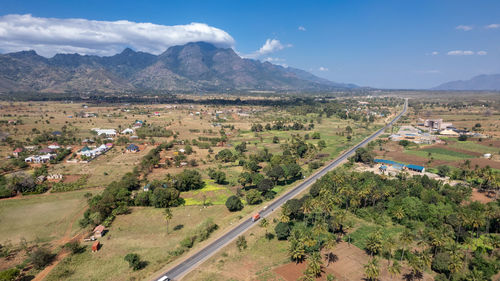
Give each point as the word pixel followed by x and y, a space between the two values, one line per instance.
pixel 164 278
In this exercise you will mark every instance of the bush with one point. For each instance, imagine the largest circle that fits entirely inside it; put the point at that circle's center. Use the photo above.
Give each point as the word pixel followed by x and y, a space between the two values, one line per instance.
pixel 440 263
pixel 234 204
pixel 282 231
pixel 404 143
pixel 41 257
pixel 462 138
pixel 189 180
pixel 188 242
pixel 253 197
pixel 9 274
pixel 74 247
pixel 443 170
pixel 134 261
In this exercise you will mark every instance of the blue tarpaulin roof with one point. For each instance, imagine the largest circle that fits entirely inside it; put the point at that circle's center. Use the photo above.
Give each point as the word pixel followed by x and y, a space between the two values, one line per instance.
pixel 398 165
pixel 389 162
pixel 415 167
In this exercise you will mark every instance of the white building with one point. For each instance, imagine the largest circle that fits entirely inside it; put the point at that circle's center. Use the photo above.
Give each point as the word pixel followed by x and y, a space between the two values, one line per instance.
pixel 127 131
pixel 39 158
pixel 106 132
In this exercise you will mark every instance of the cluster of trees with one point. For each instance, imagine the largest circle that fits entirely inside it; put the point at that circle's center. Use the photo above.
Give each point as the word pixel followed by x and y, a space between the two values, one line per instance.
pixel 21 182
pixel 442 231
pixel 258 182
pixel 152 158
pixel 147 131
pixel 280 126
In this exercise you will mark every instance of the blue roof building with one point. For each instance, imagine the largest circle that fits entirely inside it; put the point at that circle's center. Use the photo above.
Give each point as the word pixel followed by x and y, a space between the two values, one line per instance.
pixel 132 147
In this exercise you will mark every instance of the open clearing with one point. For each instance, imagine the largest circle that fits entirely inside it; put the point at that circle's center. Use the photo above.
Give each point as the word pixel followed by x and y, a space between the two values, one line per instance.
pixel 42 218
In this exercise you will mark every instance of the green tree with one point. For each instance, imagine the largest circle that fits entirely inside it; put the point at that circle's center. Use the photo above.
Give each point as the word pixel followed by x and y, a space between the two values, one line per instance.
pixel 233 204
pixel 134 261
pixel 10 274
pixel 189 180
pixel 394 269
pixel 296 249
pixel 41 257
pixel 241 243
pixel 374 243
pixel 275 173
pixel 225 155
pixel 315 262
pixel 168 215
pixel 321 144
pixel 372 271
pixel 244 178
pixel 406 238
pixel 282 231
pixel 253 197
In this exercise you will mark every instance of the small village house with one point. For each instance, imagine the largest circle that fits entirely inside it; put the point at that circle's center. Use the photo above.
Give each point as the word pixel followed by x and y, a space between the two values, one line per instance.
pixel 99 231
pixel 132 148
pixel 16 152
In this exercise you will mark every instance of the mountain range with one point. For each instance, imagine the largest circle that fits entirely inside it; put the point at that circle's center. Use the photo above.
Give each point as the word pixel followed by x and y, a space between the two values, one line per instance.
pixel 193 67
pixel 485 82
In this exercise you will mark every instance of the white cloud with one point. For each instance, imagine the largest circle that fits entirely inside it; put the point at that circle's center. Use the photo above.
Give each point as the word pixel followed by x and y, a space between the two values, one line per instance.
pixel 464 27
pixel 48 36
pixel 493 26
pixel 271 46
pixel 321 68
pixel 271 59
pixel 460 53
pixel 482 53
pixel 435 53
pixel 301 28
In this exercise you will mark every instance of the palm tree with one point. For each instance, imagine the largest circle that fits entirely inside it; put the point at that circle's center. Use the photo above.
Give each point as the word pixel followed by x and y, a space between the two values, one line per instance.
pixel 297 250
pixel 405 238
pixel 394 269
pixel 168 215
pixel 284 218
pixel 389 245
pixel 315 262
pixel 399 213
pixel 372 271
pixel 374 243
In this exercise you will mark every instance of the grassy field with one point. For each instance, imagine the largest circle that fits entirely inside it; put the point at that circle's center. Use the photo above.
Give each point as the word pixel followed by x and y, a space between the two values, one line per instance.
pixel 440 154
pixel 143 232
pixel 360 235
pixel 41 218
pixel 476 147
pixel 254 263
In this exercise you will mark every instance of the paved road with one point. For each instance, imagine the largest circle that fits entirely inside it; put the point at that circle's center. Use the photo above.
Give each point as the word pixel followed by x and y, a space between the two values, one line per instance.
pixel 190 263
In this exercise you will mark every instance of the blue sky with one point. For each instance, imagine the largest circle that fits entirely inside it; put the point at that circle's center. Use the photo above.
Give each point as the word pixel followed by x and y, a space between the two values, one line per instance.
pixel 387 44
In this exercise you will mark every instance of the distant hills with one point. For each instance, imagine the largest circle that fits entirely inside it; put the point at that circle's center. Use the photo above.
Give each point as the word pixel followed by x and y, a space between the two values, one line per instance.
pixel 489 82
pixel 194 67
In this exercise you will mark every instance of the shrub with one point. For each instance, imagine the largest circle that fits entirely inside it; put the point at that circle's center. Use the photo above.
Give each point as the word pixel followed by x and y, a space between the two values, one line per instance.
pixel 9 274
pixel 41 257
pixel 134 261
pixel 74 247
pixel 233 204
pixel 282 231
pixel 253 197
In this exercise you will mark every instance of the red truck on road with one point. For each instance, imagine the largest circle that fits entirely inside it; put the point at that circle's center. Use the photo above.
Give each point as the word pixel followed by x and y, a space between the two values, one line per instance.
pixel 256 217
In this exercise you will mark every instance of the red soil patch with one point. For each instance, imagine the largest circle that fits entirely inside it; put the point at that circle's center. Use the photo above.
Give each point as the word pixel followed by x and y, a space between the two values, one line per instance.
pixel 349 266
pixel 395 152
pixel 71 178
pixel 481 196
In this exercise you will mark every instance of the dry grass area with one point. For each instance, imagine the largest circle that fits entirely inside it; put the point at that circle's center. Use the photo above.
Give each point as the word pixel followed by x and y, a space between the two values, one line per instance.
pixel 143 232
pixel 42 218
